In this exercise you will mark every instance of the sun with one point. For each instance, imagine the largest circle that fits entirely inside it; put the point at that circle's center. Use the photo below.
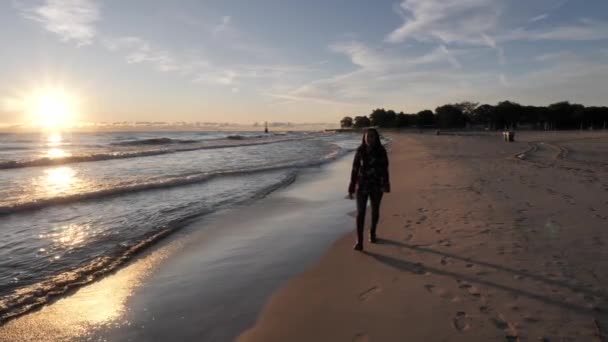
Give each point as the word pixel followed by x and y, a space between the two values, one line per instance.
pixel 52 108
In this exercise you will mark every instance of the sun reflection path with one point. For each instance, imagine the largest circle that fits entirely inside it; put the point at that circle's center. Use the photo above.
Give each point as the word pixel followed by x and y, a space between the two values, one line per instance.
pixel 59 180
pixel 100 304
pixel 54 139
pixel 69 236
pixel 53 142
pixel 55 153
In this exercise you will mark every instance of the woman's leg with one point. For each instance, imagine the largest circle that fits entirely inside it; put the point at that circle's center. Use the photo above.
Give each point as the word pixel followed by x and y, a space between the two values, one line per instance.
pixel 361 209
pixel 375 199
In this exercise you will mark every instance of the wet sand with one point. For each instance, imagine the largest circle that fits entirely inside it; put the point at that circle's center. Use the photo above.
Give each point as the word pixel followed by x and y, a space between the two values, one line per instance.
pixel 481 240
pixel 208 281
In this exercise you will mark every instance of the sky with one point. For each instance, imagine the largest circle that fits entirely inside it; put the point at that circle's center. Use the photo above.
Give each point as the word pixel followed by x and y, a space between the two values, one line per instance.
pixel 298 61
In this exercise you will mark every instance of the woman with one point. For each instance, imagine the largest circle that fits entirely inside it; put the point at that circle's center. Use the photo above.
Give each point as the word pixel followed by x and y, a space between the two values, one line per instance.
pixel 369 179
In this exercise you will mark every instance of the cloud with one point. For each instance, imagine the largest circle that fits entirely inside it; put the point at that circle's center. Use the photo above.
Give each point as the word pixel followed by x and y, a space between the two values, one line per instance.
pixel 382 60
pixel 223 26
pixel 72 20
pixel 539 18
pixel 584 30
pixel 503 80
pixel 447 21
pixel 560 56
pixel 138 50
pixel 378 71
pixel 478 22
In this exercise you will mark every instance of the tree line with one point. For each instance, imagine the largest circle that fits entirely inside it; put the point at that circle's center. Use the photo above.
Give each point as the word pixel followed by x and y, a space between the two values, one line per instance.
pixel 504 115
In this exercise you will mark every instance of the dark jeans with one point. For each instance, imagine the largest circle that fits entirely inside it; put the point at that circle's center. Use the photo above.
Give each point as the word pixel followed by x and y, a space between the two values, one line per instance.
pixel 375 198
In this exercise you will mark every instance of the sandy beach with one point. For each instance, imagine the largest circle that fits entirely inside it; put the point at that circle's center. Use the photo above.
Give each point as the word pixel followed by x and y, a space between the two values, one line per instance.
pixel 481 240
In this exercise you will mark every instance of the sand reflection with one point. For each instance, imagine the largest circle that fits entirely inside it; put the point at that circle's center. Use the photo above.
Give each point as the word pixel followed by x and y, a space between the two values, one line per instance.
pixel 100 304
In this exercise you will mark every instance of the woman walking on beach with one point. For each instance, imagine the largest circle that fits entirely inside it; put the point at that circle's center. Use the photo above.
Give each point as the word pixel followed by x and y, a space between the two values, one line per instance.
pixel 369 180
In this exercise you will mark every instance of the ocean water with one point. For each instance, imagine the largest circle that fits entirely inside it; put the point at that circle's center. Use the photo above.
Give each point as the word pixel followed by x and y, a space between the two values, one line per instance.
pixel 76 206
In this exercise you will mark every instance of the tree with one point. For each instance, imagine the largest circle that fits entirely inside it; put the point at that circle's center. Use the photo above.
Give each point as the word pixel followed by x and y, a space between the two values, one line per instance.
pixel 507 114
pixel 405 120
pixel 468 109
pixel 566 115
pixel 383 118
pixel 449 116
pixel 346 122
pixel 484 114
pixel 425 118
pixel 361 122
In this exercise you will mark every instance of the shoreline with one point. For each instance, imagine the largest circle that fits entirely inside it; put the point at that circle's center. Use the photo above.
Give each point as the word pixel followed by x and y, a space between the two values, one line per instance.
pixel 206 261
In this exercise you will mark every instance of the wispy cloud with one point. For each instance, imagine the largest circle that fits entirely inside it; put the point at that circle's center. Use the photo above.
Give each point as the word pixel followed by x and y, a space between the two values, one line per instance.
pixel 473 22
pixel 584 30
pixel 381 60
pixel 503 80
pixel 539 17
pixel 377 70
pixel 138 50
pixel 500 52
pixel 446 20
pixel 223 25
pixel 75 20
pixel 557 57
pixel 71 20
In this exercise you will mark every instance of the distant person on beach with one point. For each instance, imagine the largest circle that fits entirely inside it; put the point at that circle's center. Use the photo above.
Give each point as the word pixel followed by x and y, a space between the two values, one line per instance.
pixel 369 180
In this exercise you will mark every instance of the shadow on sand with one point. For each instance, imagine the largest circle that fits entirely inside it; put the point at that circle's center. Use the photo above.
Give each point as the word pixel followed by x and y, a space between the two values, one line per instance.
pixel 419 268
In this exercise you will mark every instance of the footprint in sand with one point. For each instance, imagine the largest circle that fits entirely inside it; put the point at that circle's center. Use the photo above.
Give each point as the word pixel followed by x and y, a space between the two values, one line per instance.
pixel 499 323
pixel 409 237
pixel 445 242
pixel 531 319
pixel 361 337
pixel 463 284
pixel 598 241
pixel 511 333
pixel 461 322
pixel 367 294
pixel 421 219
pixel 473 291
pixel 443 293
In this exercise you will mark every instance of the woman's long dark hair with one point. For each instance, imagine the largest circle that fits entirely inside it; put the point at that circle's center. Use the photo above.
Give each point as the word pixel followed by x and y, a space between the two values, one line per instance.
pixel 377 143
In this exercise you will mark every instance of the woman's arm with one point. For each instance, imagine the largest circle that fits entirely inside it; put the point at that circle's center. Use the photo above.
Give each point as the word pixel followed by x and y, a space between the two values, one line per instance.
pixel 385 175
pixel 354 175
